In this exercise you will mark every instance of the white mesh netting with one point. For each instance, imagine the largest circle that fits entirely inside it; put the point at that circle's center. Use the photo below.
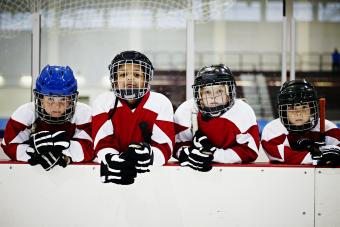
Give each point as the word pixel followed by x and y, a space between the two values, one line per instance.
pixel 81 15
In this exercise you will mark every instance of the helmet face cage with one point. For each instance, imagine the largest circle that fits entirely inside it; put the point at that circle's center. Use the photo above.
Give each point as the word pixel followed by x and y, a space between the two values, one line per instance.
pixel 298 101
pixel 306 126
pixel 69 101
pixel 130 79
pixel 226 99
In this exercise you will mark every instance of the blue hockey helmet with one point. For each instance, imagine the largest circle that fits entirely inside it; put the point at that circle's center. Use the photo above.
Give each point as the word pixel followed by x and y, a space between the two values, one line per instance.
pixel 56 82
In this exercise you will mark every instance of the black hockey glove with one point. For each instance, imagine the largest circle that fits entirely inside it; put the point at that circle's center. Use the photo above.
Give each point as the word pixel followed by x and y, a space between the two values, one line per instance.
pixel 48 160
pixel 312 147
pixel 47 149
pixel 192 157
pixel 117 170
pixel 330 155
pixel 60 140
pixel 41 142
pixel 141 155
pixel 202 143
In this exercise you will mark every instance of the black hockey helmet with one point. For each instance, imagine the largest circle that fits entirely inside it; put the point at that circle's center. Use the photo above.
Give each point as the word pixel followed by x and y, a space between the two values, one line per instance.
pixel 294 93
pixel 214 75
pixel 141 63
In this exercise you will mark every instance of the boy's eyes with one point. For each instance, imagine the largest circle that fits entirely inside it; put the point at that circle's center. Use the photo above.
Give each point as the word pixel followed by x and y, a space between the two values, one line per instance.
pixel 219 91
pixel 298 108
pixel 55 100
pixel 137 75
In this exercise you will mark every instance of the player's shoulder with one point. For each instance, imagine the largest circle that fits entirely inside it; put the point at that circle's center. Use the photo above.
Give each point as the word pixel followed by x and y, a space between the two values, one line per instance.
pixel 276 123
pixel 184 112
pixel 243 106
pixel 159 98
pixel 82 113
pixel 158 102
pixel 103 103
pixel 329 125
pixel 273 129
pixel 104 97
pixel 25 114
pixel 82 107
pixel 186 107
pixel 241 114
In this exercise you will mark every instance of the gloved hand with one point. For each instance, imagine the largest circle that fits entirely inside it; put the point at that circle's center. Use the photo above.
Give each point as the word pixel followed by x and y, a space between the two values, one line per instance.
pixel 195 159
pixel 141 155
pixel 64 161
pixel 330 155
pixel 117 170
pixel 202 143
pixel 47 160
pixel 46 149
pixel 311 146
pixel 43 141
pixel 60 140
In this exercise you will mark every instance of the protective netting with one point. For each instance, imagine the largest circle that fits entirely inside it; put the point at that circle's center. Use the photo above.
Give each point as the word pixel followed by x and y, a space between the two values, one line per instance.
pixel 81 15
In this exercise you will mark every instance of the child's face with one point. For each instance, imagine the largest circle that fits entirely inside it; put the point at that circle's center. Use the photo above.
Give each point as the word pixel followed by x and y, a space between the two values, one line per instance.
pixel 130 76
pixel 298 114
pixel 55 106
pixel 214 95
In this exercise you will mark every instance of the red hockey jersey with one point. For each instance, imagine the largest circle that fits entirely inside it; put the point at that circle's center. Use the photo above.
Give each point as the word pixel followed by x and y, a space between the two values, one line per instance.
pixel 114 128
pixel 235 133
pixel 24 121
pixel 277 142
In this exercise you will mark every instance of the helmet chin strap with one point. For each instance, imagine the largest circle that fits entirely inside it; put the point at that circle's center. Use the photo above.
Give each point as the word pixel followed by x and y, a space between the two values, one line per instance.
pixel 131 93
pixel 214 111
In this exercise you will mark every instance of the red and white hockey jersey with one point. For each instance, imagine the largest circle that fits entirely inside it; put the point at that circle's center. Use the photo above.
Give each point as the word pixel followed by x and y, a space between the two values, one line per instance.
pixel 235 133
pixel 277 142
pixel 113 129
pixel 24 120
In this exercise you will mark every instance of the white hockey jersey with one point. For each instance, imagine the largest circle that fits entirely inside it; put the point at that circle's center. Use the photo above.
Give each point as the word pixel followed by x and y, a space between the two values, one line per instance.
pixel 278 143
pixel 235 133
pixel 24 120
pixel 114 128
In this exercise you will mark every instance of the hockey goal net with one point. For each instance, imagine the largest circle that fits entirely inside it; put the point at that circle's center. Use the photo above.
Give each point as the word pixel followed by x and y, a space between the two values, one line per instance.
pixel 71 15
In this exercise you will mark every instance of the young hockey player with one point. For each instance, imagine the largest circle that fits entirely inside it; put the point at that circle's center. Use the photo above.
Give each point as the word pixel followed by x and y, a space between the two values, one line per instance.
pixel 55 129
pixel 132 127
pixel 295 137
pixel 227 131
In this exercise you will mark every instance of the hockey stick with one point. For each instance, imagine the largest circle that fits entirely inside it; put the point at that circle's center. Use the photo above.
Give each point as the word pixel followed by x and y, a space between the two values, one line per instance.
pixel 194 127
pixel 322 112
pixel 145 132
pixel 194 122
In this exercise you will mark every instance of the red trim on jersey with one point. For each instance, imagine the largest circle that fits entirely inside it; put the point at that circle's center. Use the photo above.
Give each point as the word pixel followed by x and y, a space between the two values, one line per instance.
pixel 97 122
pixel 179 128
pixel 168 128
pixel 290 156
pixel 12 129
pixel 334 132
pixel 126 128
